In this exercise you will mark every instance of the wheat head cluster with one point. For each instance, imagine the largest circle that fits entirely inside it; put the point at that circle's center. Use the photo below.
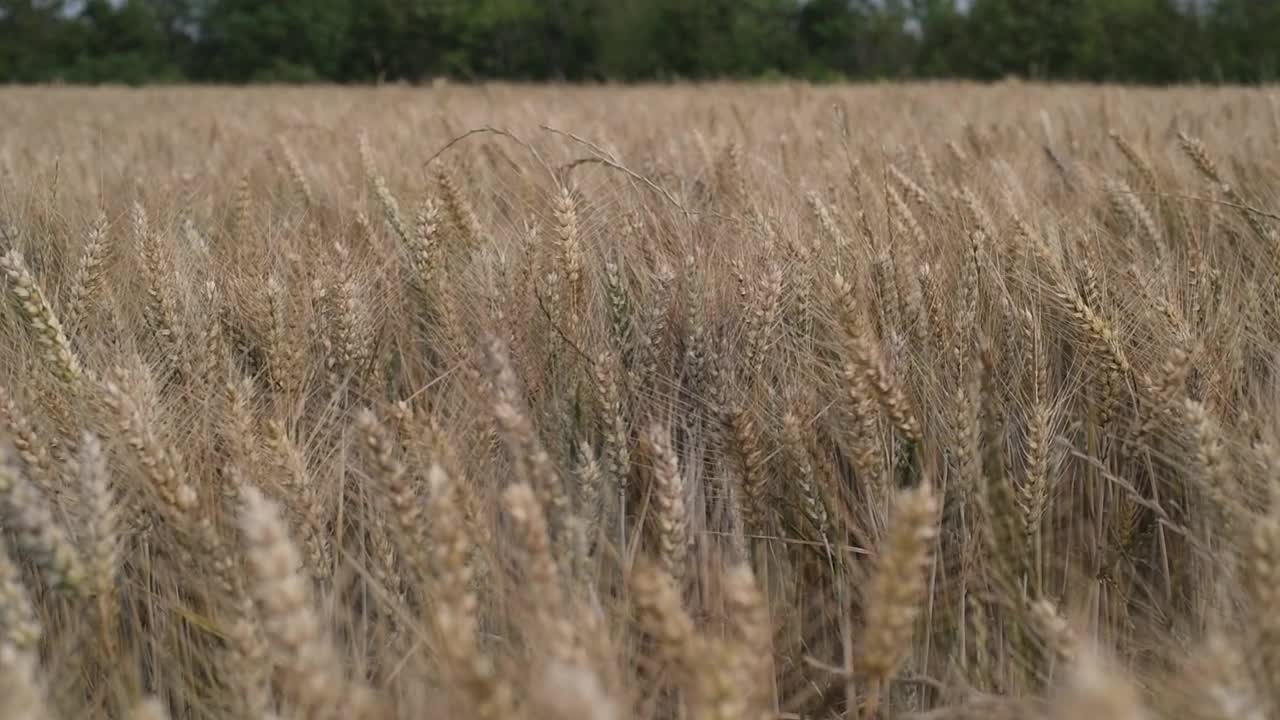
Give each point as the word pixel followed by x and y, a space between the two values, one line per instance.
pixel 727 402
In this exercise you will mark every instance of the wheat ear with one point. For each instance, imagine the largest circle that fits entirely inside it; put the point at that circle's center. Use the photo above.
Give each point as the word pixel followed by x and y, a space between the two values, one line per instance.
pixel 34 531
pixel 20 630
pixel 670 516
pixel 312 673
pixel 899 588
pixel 60 358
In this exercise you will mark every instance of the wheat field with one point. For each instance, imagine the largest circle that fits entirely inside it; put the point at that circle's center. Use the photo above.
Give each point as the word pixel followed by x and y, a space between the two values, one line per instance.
pixel 725 401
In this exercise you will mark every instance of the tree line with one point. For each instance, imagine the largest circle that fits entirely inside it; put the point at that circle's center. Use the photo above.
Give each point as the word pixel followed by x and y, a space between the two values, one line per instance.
pixel 141 41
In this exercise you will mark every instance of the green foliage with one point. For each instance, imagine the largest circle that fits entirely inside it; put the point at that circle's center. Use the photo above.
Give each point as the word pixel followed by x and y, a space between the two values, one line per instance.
pixel 1137 40
pixel 140 41
pixel 34 39
pixel 250 40
pixel 1245 39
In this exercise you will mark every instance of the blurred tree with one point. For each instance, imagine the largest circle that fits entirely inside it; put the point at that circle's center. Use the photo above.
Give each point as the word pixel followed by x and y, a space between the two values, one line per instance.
pixel 281 40
pixel 887 44
pixel 1244 37
pixel 572 30
pixel 178 21
pixel 1030 38
pixel 1136 41
pixel 34 39
pixel 371 40
pixel 125 42
pixel 391 39
pixel 940 25
pixel 826 29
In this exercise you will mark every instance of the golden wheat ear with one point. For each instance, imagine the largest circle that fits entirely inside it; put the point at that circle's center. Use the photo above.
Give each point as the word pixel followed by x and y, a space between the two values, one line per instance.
pixel 898 591
pixel 21 695
pixel 670 518
pixel 456 611
pixel 20 630
pixel 314 680
pixel 103 538
pixel 34 531
pixel 1095 687
pixel 551 626
pixel 59 357
pixel 86 284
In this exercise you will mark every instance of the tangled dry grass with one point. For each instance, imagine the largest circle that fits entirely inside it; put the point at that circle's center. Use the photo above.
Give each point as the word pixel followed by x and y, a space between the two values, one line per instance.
pixel 704 402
